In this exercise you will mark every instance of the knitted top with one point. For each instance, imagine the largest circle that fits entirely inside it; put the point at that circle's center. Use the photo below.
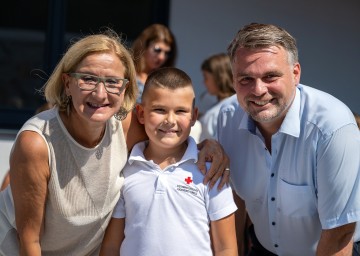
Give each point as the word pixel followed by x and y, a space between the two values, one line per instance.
pixel 83 189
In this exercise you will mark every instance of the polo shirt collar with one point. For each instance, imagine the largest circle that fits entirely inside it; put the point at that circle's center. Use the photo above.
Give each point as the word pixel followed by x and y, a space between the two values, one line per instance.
pixel 137 153
pixel 191 153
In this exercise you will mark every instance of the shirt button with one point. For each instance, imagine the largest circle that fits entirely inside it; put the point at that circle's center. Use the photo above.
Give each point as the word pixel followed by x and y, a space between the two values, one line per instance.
pixel 272 175
pixel 273 223
pixel 273 199
pixel 276 245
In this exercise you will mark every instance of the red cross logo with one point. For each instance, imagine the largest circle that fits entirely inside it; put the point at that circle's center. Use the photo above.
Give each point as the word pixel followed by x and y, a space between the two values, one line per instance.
pixel 188 180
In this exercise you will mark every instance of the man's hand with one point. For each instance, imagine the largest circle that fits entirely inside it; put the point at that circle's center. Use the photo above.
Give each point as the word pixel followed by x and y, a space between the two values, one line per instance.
pixel 212 151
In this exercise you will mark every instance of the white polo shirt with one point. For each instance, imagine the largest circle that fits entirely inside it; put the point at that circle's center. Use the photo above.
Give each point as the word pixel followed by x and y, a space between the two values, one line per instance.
pixel 168 211
pixel 311 179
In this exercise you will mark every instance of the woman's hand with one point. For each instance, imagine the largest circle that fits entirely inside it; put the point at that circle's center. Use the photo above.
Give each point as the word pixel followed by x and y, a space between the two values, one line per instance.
pixel 212 151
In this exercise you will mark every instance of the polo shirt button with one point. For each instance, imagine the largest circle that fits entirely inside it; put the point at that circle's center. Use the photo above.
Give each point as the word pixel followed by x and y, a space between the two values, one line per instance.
pixel 276 245
pixel 273 223
pixel 273 199
pixel 272 175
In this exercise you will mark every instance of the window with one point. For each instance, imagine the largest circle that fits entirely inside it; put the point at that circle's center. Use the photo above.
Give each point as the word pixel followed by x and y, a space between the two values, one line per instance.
pixel 35 34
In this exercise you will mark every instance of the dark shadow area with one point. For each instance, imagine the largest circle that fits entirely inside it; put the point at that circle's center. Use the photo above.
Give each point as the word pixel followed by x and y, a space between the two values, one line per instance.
pixel 35 34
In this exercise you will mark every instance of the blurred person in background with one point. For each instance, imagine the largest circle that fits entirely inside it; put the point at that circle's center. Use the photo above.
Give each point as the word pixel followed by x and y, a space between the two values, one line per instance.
pixel 154 48
pixel 357 119
pixel 217 74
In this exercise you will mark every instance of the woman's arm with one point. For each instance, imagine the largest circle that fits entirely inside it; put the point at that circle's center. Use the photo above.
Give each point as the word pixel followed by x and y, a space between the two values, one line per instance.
pixel 114 235
pixel 224 236
pixel 29 170
pixel 134 131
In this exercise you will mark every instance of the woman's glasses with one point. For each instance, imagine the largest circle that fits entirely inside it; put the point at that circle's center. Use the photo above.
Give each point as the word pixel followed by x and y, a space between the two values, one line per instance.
pixel 88 82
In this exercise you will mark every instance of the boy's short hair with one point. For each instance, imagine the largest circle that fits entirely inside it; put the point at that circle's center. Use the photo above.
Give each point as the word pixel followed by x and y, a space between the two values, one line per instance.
pixel 168 77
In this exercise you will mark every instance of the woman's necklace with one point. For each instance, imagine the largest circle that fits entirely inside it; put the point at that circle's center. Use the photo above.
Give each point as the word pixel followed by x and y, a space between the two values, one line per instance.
pixel 99 150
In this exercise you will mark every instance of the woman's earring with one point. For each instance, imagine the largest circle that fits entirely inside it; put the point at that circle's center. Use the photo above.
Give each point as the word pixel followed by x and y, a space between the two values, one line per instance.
pixel 121 114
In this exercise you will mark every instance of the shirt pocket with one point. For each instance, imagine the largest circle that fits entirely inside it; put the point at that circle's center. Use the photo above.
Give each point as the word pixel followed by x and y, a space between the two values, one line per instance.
pixel 296 200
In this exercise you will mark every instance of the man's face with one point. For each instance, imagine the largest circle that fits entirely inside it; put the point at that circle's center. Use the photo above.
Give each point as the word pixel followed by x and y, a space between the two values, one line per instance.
pixel 265 83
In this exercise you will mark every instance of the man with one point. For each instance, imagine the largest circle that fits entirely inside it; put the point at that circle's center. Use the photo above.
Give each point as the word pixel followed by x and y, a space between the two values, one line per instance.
pixel 294 151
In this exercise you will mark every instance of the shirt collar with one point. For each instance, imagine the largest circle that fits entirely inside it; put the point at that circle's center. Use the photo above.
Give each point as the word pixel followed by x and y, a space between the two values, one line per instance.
pixel 247 123
pixel 290 125
pixel 191 153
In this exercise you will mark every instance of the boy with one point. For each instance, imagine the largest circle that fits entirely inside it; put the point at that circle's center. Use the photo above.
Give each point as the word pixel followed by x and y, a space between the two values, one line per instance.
pixel 165 209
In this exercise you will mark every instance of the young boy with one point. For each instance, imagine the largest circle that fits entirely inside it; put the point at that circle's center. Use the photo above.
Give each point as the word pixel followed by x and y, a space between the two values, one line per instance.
pixel 164 208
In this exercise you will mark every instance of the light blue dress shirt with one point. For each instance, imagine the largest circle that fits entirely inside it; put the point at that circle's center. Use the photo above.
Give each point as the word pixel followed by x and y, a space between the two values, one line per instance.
pixel 311 179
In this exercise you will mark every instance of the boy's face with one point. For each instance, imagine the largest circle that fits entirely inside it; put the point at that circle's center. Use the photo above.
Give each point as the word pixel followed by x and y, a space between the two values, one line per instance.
pixel 168 115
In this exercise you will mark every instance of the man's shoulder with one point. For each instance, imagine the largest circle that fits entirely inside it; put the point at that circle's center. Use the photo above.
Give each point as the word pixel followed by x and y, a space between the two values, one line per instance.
pixel 323 110
pixel 230 114
pixel 229 104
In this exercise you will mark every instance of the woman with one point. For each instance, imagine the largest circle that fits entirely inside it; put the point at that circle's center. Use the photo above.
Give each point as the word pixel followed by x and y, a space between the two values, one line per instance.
pixel 154 48
pixel 217 75
pixel 66 162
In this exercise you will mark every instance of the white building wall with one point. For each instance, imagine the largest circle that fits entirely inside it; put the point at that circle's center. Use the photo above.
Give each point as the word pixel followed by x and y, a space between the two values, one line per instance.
pixel 327 33
pixel 6 143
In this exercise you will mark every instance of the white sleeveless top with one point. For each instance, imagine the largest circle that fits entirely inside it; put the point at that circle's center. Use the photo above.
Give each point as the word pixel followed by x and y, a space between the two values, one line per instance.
pixel 83 189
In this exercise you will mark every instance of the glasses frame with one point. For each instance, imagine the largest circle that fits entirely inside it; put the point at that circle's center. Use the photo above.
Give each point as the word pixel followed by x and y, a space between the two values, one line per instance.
pixel 99 79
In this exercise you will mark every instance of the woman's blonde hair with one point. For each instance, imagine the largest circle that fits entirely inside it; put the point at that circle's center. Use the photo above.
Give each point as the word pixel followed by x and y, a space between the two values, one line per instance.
pixel 107 41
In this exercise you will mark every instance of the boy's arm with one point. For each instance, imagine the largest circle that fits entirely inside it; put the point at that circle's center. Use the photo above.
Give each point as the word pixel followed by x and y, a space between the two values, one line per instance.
pixel 114 235
pixel 240 222
pixel 224 236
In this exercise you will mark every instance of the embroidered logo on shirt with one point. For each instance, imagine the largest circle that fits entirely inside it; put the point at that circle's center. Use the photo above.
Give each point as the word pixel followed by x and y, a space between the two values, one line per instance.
pixel 188 180
pixel 187 188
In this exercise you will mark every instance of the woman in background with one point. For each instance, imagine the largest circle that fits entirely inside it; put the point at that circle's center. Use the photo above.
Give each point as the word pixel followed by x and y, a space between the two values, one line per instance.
pixel 154 48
